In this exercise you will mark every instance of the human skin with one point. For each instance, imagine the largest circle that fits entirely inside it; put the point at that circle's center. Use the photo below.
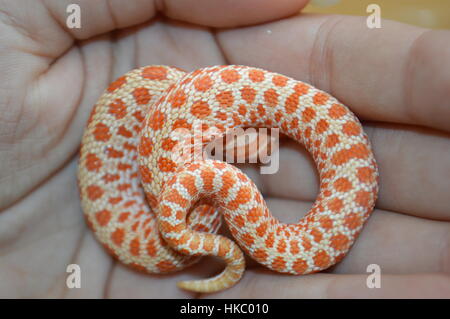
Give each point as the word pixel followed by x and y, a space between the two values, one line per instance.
pixel 395 79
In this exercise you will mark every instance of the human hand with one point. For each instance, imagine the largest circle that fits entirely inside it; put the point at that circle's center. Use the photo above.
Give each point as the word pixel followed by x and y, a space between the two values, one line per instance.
pixel 393 78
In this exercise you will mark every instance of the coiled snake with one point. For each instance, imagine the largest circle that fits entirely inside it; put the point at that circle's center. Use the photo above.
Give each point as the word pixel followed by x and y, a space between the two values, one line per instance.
pixel 159 214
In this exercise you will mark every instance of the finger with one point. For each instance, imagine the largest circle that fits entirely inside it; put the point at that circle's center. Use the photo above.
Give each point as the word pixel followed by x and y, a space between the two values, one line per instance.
pixel 413 168
pixel 231 13
pixel 35 259
pixel 255 282
pixel 179 44
pixel 128 283
pixel 36 42
pixel 98 17
pixel 391 74
pixel 96 265
pixel 389 240
pixel 385 235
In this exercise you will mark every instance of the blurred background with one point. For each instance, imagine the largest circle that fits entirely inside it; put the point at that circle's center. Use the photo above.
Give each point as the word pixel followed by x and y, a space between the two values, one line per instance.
pixel 433 14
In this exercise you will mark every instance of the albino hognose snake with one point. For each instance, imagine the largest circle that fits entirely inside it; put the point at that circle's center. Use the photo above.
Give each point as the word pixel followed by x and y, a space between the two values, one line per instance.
pixel 140 203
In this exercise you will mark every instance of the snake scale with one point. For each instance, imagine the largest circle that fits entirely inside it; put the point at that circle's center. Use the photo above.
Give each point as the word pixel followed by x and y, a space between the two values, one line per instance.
pixel 159 215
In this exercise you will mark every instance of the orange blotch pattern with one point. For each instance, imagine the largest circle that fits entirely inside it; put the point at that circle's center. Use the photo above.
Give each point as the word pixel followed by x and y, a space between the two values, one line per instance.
pixel 146 174
pixel 256 75
pixel 294 249
pixel 281 247
pixel 154 73
pixel 261 229
pixel 178 98
pixel 168 144
pixel 123 131
pixel 279 80
pixel 335 205
pixel 145 146
pixel 117 84
pixel 165 266
pixel 200 109
pixel 93 163
pixel 301 88
pixel 203 84
pixel 123 217
pixel 279 264
pixel 239 221
pixel 243 196
pixel 271 97
pixel 351 128
pixel 336 111
pixel 188 182
pixel 156 120
pixel 208 179
pixel 352 221
pixel 363 198
pixel 108 178
pixel 138 116
pixel 332 140
pixel 101 132
pixel 118 109
pixel 225 98
pixel 308 114
pixel 135 245
pixel 366 175
pixel 151 248
pixel 342 184
pixel 118 236
pixel 321 126
pixel 141 95
pixel 123 166
pixel 248 94
pixel 230 76
pixel 320 98
pixel 174 196
pixel 166 164
pixel 208 243
pixel 103 217
pixel 357 151
pixel 94 192
pixel 339 242
pixel 326 222
pixel 247 239
pixel 254 214
pixel 260 255
pixel 181 123
pixel 300 266
pixel 322 259
pixel 291 103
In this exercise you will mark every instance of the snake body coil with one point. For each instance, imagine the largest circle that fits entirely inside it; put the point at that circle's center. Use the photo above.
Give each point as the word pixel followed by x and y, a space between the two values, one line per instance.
pixel 143 205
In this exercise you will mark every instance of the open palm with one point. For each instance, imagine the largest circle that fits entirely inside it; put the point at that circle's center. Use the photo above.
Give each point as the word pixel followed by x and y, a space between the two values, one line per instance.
pixel 394 78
